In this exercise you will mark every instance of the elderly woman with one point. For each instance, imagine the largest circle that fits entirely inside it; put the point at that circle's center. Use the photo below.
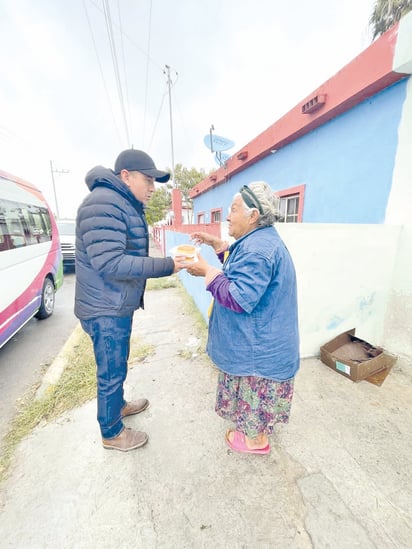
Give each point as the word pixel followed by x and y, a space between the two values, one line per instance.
pixel 253 328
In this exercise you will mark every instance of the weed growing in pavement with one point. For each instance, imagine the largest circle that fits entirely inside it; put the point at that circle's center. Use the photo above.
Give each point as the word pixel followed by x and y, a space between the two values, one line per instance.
pixel 199 324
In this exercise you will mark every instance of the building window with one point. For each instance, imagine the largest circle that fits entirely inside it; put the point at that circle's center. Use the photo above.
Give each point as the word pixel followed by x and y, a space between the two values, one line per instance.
pixel 216 215
pixel 200 218
pixel 291 204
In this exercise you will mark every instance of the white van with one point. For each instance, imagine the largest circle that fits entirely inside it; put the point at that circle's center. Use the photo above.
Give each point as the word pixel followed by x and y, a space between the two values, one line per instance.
pixel 31 267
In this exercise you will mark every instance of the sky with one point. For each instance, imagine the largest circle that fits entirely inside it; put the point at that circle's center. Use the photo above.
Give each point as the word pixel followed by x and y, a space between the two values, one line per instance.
pixel 82 80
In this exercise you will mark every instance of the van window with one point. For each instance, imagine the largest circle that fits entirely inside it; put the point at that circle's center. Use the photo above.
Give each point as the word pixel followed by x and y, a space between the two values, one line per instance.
pixel 23 225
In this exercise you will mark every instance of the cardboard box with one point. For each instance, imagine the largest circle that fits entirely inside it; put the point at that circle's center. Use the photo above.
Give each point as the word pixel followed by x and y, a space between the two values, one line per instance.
pixel 355 358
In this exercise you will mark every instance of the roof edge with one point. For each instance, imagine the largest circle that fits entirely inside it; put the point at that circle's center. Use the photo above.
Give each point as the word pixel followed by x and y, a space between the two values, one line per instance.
pixel 367 74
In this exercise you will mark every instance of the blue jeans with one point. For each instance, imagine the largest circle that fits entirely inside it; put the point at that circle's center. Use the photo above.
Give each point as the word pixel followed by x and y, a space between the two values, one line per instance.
pixel 111 344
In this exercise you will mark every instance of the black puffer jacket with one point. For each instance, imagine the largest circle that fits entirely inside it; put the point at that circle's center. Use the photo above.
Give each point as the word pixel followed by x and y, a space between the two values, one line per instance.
pixel 112 245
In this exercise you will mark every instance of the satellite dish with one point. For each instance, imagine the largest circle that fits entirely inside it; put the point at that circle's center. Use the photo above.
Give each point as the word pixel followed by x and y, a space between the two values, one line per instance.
pixel 217 143
pixel 221 158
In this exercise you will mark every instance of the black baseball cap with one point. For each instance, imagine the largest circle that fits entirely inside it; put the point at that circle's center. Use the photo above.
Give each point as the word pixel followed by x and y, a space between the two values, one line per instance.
pixel 133 160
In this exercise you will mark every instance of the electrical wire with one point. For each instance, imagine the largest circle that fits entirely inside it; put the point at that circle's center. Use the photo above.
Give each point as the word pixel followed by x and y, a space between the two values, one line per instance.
pixel 101 71
pixel 182 121
pixel 157 120
pixel 149 59
pixel 124 68
pixel 115 66
pixel 132 41
pixel 147 73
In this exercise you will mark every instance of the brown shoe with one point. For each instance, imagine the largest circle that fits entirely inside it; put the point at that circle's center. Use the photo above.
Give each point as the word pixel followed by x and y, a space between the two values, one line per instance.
pixel 129 439
pixel 135 407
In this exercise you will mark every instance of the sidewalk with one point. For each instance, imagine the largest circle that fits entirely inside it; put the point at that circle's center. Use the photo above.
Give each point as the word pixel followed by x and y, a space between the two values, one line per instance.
pixel 338 476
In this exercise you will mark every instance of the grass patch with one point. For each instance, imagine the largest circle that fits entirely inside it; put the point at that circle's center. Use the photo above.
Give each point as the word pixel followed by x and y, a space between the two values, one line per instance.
pixel 162 283
pixel 191 309
pixel 199 324
pixel 76 386
pixel 77 383
pixel 139 350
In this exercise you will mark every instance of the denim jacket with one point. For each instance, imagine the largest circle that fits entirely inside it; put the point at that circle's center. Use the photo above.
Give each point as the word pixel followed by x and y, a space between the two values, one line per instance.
pixel 263 340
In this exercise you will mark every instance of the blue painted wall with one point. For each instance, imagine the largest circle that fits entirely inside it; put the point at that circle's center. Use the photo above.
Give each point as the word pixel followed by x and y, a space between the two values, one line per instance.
pixel 346 165
pixel 195 286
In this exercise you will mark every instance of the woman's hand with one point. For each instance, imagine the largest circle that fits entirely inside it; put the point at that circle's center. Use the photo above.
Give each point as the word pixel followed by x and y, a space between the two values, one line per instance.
pixel 206 238
pixel 199 268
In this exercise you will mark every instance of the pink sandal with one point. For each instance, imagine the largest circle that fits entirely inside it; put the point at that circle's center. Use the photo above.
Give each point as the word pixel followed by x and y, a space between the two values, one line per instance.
pixel 238 444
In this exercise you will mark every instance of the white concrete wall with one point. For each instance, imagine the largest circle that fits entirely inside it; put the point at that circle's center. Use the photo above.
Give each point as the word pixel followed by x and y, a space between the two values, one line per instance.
pixel 345 276
pixel 398 318
pixel 344 279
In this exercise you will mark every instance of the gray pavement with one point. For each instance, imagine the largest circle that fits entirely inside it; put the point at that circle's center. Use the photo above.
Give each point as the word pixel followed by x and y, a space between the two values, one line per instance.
pixel 338 476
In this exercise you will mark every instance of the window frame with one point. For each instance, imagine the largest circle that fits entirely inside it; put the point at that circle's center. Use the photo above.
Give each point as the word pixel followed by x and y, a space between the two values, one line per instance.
pixel 291 192
pixel 213 211
pixel 23 224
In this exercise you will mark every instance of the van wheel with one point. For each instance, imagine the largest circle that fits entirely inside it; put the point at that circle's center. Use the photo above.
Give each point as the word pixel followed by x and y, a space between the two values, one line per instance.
pixel 47 300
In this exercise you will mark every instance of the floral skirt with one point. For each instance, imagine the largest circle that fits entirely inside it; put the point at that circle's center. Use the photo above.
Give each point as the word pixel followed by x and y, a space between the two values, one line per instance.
pixel 254 404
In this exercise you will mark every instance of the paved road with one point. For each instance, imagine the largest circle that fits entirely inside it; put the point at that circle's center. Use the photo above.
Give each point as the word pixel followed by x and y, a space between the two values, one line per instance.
pixel 24 358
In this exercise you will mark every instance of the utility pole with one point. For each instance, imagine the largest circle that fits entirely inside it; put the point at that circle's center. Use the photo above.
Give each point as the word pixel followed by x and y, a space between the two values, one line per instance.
pixel 169 85
pixel 53 171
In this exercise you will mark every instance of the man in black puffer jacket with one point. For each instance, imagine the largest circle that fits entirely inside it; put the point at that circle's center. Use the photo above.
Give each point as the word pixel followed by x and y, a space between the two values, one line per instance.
pixel 112 266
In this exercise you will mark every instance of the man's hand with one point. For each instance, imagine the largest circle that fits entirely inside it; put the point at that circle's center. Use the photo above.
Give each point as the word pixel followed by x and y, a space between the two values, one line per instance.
pixel 180 263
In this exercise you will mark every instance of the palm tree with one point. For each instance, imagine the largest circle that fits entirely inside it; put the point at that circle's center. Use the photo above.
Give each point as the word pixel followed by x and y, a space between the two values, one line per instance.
pixel 386 13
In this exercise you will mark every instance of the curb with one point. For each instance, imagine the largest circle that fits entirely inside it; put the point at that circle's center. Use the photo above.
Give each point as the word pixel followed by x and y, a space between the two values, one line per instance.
pixel 58 365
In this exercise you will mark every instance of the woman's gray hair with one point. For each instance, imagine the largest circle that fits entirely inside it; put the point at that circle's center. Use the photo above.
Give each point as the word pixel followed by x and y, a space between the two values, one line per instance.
pixel 269 203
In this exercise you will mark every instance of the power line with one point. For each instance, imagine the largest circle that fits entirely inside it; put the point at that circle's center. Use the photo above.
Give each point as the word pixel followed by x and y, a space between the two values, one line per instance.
pixel 124 67
pixel 182 121
pixel 115 65
pixel 101 71
pixel 149 59
pixel 157 65
pixel 157 120
pixel 110 24
pixel 147 73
